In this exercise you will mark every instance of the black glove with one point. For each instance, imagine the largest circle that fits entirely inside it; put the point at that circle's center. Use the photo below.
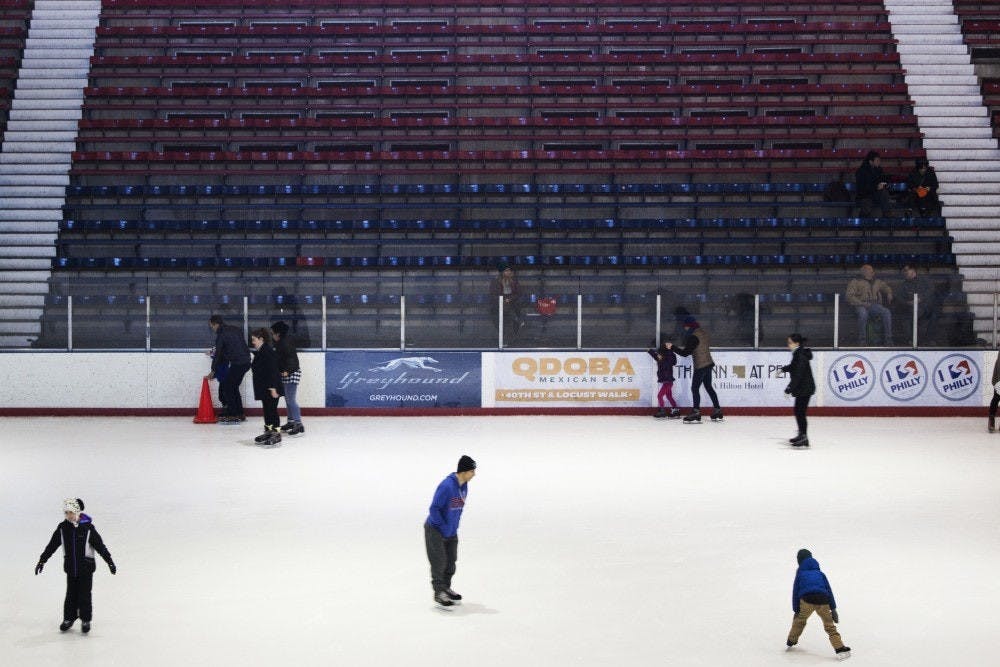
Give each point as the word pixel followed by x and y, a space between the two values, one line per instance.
pixel 38 568
pixel 836 616
pixel 111 566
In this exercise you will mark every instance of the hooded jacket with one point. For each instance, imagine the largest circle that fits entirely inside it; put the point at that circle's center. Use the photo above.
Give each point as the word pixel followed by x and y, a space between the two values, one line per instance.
pixel 79 542
pixel 446 508
pixel 665 362
pixel 810 579
pixel 800 382
pixel 697 346
pixel 230 347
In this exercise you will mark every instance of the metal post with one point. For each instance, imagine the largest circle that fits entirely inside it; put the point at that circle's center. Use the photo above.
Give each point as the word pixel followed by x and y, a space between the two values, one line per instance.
pixel 659 300
pixel 500 322
pixel 579 321
pixel 69 323
pixel 756 321
pixel 916 301
pixel 402 321
pixel 148 327
pixel 246 317
pixel 836 321
pixel 323 317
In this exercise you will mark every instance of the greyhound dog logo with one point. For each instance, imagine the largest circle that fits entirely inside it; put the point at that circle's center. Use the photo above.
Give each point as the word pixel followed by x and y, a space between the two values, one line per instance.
pixel 416 363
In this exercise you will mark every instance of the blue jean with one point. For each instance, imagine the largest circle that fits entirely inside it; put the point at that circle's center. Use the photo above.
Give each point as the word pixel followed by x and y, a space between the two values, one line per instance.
pixel 883 314
pixel 294 413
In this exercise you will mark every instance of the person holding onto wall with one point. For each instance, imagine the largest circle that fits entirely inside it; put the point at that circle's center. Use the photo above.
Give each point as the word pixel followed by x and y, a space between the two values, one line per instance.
pixel 872 186
pixel 230 348
pixel 697 345
pixel 267 385
pixel 506 285
pixel 80 540
pixel 291 375
pixel 811 592
pixel 441 530
pixel 801 384
pixel 870 296
pixel 995 401
pixel 665 362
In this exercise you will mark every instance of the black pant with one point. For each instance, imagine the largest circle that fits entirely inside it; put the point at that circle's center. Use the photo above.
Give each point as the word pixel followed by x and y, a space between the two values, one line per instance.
pixel 270 404
pixel 801 405
pixel 77 603
pixel 229 389
pixel 703 376
pixel 442 552
pixel 994 403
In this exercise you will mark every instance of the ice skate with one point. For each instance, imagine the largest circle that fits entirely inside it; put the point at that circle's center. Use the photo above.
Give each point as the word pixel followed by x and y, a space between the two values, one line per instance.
pixel 452 595
pixel 992 425
pixel 661 413
pixel 789 644
pixel 717 415
pixel 85 627
pixel 675 413
pixel 274 439
pixel 65 625
pixel 287 426
pixel 801 440
pixel 693 418
pixel 263 437
pixel 843 653
pixel 443 601
pixel 297 429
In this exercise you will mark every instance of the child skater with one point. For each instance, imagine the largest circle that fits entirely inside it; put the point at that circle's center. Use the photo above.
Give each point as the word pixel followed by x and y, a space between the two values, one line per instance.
pixel 267 386
pixel 665 362
pixel 800 384
pixel 291 374
pixel 811 592
pixel 79 541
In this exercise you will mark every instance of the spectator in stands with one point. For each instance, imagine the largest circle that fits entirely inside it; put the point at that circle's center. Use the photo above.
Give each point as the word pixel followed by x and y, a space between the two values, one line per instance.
pixel 230 348
pixel 928 304
pixel 872 186
pixel 870 296
pixel 506 285
pixel 921 189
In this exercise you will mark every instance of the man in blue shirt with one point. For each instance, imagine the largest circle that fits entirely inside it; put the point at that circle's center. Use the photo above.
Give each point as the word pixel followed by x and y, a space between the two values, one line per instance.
pixel 441 530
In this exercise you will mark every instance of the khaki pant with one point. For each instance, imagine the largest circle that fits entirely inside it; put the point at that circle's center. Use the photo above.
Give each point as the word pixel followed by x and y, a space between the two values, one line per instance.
pixel 805 611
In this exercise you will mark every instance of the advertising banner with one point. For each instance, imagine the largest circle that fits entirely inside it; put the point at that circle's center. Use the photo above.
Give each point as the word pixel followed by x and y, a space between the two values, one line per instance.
pixel 358 379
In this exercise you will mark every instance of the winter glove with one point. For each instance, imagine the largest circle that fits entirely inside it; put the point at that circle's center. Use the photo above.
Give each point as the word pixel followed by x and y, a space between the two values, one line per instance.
pixel 112 567
pixel 38 568
pixel 835 615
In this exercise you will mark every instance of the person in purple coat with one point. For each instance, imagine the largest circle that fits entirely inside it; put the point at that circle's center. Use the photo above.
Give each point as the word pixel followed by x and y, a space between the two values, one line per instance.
pixel 441 530
pixel 811 592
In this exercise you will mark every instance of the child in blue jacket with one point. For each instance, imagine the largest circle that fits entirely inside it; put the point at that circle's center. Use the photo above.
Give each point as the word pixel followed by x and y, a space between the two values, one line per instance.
pixel 811 592
pixel 441 529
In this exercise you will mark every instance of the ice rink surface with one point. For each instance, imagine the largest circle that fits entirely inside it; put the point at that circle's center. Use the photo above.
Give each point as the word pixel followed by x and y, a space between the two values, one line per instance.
pixel 585 541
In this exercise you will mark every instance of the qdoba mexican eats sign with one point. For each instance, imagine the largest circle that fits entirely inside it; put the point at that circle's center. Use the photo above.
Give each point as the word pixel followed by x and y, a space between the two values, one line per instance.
pixel 558 379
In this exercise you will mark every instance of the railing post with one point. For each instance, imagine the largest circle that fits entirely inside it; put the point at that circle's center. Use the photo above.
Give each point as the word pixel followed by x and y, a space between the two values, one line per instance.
pixel 149 345
pixel 402 321
pixel 500 322
pixel 836 321
pixel 246 318
pixel 323 319
pixel 916 302
pixel 756 321
pixel 579 321
pixel 69 323
pixel 659 303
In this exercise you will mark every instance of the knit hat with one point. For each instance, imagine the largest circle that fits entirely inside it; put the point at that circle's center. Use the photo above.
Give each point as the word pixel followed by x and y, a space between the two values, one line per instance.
pixel 691 323
pixel 502 266
pixel 74 505
pixel 466 463
pixel 803 554
pixel 279 328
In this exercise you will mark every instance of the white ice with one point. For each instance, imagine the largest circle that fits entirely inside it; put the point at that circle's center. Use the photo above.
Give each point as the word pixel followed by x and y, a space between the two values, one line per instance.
pixel 585 541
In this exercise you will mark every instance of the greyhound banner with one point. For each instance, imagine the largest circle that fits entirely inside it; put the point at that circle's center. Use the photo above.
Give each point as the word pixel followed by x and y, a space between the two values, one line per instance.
pixel 357 379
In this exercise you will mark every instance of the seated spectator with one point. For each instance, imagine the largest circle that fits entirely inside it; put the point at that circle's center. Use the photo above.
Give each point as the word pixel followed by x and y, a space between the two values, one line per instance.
pixel 870 296
pixel 872 187
pixel 921 189
pixel 928 305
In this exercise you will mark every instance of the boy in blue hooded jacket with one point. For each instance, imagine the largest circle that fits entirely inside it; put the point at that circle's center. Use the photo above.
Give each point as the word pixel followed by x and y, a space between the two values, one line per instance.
pixel 811 592
pixel 441 529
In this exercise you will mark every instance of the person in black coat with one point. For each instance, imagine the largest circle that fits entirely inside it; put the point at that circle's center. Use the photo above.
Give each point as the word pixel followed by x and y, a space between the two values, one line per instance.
pixel 665 362
pixel 230 348
pixel 291 375
pixel 79 540
pixel 267 386
pixel 800 384
pixel 872 186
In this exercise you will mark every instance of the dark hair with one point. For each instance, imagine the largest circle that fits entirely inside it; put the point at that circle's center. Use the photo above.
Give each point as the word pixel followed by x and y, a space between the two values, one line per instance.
pixel 80 503
pixel 922 162
pixel 215 319
pixel 871 156
pixel 279 328
pixel 797 338
pixel 263 333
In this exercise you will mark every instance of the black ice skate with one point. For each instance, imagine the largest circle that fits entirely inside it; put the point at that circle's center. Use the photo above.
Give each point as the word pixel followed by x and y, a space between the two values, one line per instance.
pixel 992 425
pixel 693 418
pixel 297 429
pixel 274 438
pixel 442 599
pixel 661 413
pixel 717 415
pixel 452 595
pixel 85 627
pixel 287 426
pixel 263 437
pixel 843 653
pixel 675 413
pixel 801 441
pixel 65 625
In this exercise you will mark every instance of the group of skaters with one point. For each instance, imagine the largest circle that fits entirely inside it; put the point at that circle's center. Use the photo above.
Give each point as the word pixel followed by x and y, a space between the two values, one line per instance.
pixel 275 371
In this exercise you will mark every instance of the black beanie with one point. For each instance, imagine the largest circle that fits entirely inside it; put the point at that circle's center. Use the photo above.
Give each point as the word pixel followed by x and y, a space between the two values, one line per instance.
pixel 803 554
pixel 466 463
pixel 279 328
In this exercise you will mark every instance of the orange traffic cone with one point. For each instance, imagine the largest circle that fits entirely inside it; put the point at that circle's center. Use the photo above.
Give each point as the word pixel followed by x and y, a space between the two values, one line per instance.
pixel 206 413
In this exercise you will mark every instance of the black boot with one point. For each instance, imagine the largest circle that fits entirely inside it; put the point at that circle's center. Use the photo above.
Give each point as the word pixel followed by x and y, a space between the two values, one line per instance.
pixel 661 413
pixel 801 441
pixel 65 625
pixel 296 429
pixel 992 426
pixel 85 627
pixel 442 599
pixel 263 437
pixel 693 418
pixel 675 413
